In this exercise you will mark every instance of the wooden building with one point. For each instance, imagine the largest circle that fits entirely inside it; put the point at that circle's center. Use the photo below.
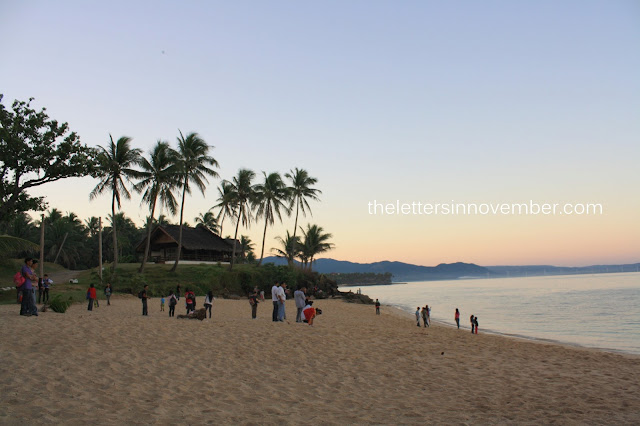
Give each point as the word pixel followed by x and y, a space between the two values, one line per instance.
pixel 199 244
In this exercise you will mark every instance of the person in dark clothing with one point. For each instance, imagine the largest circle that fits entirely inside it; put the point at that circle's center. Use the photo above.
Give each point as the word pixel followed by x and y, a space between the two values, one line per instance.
pixel 40 289
pixel 144 297
pixel 208 302
pixel 173 301
pixel 377 307
pixel 47 284
pixel 178 292
pixel 253 301
pixel 473 324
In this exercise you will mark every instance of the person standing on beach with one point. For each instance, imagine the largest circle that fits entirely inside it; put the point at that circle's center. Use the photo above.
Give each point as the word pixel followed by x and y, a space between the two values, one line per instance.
pixel 144 295
pixel 208 302
pixel 457 318
pixel 424 317
pixel 26 304
pixel 274 298
pixel 47 284
pixel 282 298
pixel 418 316
pixel 377 307
pixel 107 293
pixel 428 309
pixel 162 304
pixel 301 301
pixel 473 324
pixel 173 301
pixel 253 301
pixel 91 295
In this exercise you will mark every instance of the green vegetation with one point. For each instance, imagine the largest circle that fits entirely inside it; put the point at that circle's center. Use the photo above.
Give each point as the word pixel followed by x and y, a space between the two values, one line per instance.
pixel 60 304
pixel 362 278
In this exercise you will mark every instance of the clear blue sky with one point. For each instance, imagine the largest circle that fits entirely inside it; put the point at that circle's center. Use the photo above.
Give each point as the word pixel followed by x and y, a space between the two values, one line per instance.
pixel 429 101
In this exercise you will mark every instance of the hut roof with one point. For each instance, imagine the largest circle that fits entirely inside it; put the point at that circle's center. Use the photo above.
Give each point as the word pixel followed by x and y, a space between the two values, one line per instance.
pixel 198 238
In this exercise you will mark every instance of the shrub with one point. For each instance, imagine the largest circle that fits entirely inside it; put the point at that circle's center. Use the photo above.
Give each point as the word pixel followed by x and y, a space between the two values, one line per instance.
pixel 60 305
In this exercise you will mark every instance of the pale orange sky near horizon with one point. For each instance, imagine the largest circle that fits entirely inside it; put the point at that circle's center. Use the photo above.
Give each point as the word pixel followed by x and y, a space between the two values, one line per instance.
pixel 476 102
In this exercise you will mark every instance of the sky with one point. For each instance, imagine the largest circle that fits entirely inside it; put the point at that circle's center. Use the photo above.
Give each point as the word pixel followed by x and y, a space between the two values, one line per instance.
pixel 387 102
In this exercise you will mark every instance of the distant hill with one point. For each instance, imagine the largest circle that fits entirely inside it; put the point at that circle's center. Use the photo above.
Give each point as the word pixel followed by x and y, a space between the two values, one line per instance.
pixel 449 271
pixel 401 271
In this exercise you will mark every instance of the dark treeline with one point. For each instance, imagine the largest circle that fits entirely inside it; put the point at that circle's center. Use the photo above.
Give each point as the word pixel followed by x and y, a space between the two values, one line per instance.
pixel 362 278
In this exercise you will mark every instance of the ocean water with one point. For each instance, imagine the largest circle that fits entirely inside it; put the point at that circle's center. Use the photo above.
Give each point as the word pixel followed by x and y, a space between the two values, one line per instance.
pixel 598 311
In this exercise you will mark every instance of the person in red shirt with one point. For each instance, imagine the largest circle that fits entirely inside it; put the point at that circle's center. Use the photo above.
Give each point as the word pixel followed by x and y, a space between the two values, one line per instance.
pixel 91 295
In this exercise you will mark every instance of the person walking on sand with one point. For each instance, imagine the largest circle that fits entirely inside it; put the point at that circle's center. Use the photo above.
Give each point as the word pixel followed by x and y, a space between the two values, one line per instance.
pixel 473 324
pixel 377 307
pixel 91 295
pixel 424 317
pixel 274 298
pixel 173 301
pixel 301 301
pixel 208 302
pixel 457 318
pixel 253 301
pixel 144 295
pixel 418 316
pixel 107 293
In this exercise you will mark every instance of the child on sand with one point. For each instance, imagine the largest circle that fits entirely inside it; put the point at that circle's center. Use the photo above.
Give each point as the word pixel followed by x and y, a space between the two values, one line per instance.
pixel 418 316
pixel 162 304
pixel 473 324
pixel 377 307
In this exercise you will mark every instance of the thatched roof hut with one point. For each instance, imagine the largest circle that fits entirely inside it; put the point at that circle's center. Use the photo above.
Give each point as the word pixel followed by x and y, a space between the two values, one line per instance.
pixel 199 244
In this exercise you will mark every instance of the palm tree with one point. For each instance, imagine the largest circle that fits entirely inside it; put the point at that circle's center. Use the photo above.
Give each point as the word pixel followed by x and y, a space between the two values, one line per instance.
pixel 315 242
pixel 161 220
pixel 10 245
pixel 288 248
pixel 225 202
pixel 246 248
pixel 114 167
pixel 270 198
pixel 209 220
pixel 301 191
pixel 242 194
pixel 158 178
pixel 194 167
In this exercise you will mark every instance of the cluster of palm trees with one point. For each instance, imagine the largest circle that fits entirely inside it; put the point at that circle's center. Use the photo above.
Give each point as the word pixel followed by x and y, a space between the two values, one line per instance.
pixel 167 170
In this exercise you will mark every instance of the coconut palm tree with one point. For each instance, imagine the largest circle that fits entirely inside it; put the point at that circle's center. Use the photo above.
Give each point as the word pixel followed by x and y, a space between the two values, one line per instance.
pixel 10 245
pixel 194 165
pixel 246 249
pixel 315 242
pixel 301 191
pixel 113 169
pixel 225 202
pixel 270 198
pixel 158 178
pixel 209 220
pixel 288 248
pixel 242 195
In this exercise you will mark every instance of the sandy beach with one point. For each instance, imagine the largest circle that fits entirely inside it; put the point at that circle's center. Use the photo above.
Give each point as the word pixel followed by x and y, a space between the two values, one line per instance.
pixel 113 366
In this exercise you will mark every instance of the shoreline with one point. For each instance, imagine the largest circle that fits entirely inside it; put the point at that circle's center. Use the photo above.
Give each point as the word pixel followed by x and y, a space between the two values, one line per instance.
pixel 350 367
pixel 522 337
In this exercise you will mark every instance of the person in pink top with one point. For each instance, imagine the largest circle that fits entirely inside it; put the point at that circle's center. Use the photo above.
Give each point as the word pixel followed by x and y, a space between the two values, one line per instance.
pixel 457 317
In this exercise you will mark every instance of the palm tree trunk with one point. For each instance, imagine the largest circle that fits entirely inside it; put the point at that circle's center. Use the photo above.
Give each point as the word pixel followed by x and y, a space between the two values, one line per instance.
pixel 148 243
pixel 295 228
pixel 235 240
pixel 115 236
pixel 221 223
pixel 184 192
pixel 264 236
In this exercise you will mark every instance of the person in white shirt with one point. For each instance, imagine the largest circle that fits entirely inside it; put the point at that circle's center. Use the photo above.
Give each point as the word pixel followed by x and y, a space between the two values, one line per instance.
pixel 301 301
pixel 274 298
pixel 282 297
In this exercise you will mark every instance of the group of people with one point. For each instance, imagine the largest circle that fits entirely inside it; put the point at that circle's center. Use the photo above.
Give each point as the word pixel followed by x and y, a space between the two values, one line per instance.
pixel 425 313
pixel 26 293
pixel 305 312
pixel 92 296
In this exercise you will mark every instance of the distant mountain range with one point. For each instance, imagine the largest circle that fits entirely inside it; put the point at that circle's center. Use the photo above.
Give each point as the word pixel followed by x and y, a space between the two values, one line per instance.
pixel 448 271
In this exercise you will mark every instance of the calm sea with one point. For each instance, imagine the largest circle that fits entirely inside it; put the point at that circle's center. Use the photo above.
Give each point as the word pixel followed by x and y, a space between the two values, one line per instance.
pixel 599 311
